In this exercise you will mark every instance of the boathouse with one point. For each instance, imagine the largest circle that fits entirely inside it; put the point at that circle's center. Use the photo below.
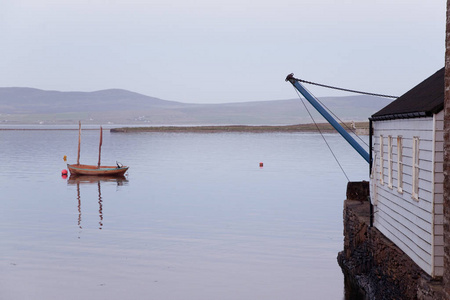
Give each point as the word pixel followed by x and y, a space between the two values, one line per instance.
pixel 407 173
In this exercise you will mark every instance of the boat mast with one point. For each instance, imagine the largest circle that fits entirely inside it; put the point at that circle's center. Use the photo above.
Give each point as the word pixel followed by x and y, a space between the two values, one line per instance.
pixel 100 146
pixel 79 142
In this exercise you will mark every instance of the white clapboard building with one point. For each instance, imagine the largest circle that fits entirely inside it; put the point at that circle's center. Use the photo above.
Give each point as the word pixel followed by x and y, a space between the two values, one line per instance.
pixel 407 173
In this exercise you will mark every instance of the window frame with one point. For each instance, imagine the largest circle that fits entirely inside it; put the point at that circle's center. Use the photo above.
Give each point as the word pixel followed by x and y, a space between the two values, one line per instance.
pixel 390 162
pixel 400 164
pixel 415 168
pixel 381 160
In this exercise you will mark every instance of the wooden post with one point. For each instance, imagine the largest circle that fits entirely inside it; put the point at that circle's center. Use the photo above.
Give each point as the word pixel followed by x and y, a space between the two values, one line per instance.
pixel 446 277
pixel 79 142
pixel 100 146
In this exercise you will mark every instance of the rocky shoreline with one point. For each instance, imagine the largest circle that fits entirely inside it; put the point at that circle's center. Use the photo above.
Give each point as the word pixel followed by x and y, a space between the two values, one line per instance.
pixel 373 266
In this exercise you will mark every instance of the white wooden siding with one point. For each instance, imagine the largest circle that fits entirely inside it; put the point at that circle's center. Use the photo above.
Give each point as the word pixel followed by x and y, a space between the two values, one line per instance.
pixel 381 154
pixel 415 226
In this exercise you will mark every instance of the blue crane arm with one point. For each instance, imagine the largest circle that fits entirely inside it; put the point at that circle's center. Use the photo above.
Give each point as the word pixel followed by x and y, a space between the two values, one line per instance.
pixel 311 99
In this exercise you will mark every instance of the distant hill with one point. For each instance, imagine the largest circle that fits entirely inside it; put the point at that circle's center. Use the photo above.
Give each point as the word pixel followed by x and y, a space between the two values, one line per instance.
pixel 29 106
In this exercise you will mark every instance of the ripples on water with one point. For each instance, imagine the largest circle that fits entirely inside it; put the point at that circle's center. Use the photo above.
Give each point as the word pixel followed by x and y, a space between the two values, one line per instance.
pixel 195 218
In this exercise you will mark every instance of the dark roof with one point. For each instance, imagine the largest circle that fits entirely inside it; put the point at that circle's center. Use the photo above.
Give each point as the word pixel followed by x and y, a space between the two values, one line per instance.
pixel 425 99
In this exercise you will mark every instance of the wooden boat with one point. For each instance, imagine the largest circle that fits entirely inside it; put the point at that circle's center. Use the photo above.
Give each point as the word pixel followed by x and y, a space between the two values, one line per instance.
pixel 95 170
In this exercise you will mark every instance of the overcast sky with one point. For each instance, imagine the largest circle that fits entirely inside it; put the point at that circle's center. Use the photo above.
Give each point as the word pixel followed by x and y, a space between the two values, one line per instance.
pixel 215 51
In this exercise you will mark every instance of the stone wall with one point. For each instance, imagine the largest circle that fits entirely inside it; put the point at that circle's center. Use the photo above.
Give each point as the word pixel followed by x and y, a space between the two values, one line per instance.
pixel 358 190
pixel 376 264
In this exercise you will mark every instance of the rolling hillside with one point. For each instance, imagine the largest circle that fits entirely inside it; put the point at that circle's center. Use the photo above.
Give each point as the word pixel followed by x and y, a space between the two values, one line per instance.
pixel 32 106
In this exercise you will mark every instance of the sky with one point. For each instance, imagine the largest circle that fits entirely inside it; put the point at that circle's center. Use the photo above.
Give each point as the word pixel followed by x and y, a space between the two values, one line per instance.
pixel 217 51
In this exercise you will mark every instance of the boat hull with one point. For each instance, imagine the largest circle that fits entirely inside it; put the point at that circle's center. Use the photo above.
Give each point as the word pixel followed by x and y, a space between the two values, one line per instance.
pixel 96 171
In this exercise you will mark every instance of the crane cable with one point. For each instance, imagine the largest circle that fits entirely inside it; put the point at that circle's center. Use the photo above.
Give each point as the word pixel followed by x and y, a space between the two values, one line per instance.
pixel 346 90
pixel 326 142
pixel 341 89
pixel 331 112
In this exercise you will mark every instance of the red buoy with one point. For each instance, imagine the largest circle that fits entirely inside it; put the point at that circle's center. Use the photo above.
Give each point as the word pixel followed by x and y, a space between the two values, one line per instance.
pixel 64 172
pixel 261 164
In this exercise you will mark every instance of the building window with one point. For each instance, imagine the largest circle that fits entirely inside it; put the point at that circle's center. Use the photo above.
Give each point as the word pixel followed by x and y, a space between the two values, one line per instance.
pixel 381 161
pixel 400 164
pixel 415 169
pixel 390 180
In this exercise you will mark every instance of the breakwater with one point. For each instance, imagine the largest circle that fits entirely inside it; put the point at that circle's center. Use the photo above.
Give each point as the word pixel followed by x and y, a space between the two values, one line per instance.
pixel 361 127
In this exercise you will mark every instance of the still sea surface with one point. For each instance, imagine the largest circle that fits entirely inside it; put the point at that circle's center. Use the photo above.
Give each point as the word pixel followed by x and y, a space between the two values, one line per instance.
pixel 195 218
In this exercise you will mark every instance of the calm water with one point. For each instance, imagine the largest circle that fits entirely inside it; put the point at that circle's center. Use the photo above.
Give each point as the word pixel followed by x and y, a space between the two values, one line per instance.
pixel 195 218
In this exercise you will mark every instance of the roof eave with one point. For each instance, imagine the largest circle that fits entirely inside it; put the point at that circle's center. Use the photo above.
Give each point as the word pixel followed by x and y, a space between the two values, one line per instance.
pixel 412 115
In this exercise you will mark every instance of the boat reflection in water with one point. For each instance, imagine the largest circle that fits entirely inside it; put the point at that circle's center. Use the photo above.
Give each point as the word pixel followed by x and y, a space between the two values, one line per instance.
pixel 81 180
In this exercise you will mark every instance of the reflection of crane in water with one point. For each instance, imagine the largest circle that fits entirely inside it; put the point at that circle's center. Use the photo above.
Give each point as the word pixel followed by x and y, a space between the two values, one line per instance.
pixel 79 180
